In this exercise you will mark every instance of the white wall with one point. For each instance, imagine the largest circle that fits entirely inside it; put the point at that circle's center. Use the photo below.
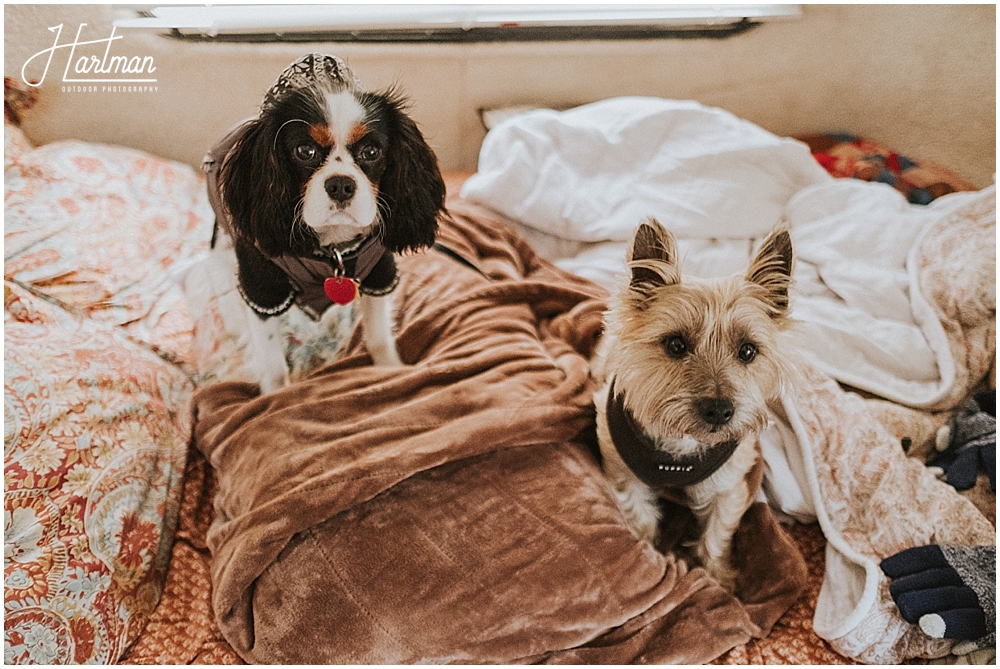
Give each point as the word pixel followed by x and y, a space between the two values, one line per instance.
pixel 920 77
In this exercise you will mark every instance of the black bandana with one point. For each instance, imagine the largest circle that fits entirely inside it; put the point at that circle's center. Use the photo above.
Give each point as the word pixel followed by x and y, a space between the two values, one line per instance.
pixel 652 466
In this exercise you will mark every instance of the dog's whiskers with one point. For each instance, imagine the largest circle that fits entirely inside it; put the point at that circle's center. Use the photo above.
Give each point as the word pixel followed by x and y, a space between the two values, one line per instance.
pixel 382 207
pixel 381 214
pixel 298 228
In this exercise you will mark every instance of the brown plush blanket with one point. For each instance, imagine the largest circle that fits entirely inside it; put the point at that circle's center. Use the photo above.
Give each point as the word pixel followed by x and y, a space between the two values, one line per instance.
pixel 452 510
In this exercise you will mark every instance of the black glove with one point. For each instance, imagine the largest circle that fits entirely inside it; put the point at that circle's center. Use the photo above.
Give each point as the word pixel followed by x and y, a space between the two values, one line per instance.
pixel 950 591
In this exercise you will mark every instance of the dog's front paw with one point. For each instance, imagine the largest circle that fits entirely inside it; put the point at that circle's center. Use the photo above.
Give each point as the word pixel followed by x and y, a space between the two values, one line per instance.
pixel 265 354
pixel 274 379
pixel 378 316
pixel 715 559
pixel 644 527
pixel 641 509
pixel 270 371
pixel 385 355
pixel 267 366
pixel 721 571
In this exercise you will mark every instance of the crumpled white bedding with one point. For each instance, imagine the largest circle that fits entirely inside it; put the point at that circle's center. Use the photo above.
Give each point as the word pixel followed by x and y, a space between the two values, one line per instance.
pixel 578 182
pixel 718 182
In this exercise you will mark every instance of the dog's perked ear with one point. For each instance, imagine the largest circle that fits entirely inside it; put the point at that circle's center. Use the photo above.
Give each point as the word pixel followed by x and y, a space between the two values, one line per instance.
pixel 411 191
pixel 653 259
pixel 259 192
pixel 772 270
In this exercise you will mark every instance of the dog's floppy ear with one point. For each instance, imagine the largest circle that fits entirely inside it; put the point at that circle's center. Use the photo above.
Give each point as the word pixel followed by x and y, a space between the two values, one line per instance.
pixel 653 259
pixel 258 191
pixel 772 269
pixel 263 285
pixel 411 190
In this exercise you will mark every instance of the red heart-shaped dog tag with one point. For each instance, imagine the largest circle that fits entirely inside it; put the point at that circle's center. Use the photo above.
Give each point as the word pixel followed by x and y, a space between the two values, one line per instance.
pixel 340 290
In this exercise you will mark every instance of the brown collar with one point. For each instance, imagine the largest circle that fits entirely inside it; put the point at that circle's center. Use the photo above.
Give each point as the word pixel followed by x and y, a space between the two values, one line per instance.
pixel 652 466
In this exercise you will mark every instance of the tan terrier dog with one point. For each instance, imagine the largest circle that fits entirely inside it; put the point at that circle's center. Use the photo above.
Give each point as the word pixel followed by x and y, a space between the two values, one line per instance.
pixel 686 370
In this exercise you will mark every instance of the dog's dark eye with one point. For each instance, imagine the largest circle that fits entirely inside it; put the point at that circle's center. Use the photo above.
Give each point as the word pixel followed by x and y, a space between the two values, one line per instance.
pixel 369 152
pixel 747 353
pixel 305 153
pixel 675 346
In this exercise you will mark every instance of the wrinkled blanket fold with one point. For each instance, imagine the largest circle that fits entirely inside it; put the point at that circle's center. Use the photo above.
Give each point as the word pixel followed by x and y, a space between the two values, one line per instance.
pixel 451 510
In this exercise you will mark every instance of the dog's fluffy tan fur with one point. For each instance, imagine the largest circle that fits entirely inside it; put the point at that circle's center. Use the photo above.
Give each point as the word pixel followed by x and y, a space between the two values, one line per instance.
pixel 670 346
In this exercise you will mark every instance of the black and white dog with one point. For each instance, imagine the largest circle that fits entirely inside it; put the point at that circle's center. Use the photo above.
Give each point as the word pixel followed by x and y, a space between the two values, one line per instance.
pixel 316 195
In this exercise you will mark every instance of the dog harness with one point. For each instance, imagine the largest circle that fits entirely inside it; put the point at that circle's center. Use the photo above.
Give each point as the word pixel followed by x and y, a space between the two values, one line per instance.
pixel 652 466
pixel 329 276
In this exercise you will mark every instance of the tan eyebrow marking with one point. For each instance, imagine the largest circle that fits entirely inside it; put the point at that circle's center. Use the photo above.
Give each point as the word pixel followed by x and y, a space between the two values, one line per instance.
pixel 321 135
pixel 357 133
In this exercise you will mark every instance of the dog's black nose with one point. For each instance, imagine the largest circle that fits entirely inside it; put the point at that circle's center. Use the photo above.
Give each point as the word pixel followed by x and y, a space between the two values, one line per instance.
pixel 715 411
pixel 340 188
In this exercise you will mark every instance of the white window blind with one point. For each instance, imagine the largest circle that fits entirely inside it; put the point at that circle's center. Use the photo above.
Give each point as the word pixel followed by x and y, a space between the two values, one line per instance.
pixel 439 21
